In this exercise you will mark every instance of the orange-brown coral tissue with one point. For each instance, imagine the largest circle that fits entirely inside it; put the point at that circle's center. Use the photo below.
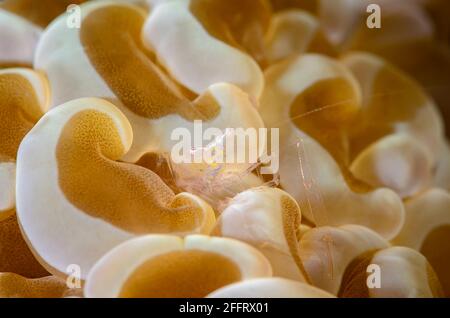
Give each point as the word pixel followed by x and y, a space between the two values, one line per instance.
pixel 224 148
